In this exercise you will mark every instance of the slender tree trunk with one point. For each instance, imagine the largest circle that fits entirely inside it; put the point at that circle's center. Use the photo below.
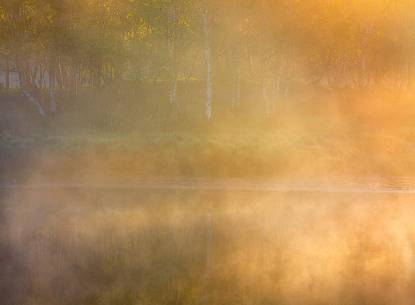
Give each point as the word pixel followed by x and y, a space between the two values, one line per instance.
pixel 277 88
pixel 52 94
pixel 171 40
pixel 42 73
pixel 265 96
pixel 274 96
pixel 26 85
pixel 7 74
pixel 60 74
pixel 53 104
pixel 208 59
pixel 19 74
pixel 77 78
pixel 35 102
pixel 34 75
pixel 237 90
pixel 173 91
pixel 52 87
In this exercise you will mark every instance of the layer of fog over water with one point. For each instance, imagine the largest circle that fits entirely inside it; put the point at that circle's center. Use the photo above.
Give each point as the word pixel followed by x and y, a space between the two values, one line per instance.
pixel 106 245
pixel 207 152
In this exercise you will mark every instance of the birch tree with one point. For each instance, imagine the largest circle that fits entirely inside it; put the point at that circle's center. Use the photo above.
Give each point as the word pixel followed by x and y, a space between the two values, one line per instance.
pixel 208 59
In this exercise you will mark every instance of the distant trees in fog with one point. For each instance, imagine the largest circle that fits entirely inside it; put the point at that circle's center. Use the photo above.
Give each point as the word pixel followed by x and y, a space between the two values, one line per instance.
pixel 58 47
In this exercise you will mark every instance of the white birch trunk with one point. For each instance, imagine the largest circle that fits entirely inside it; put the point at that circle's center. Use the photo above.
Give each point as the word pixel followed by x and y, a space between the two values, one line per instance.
pixel 173 91
pixel 208 59
pixel 35 102
pixel 76 82
pixel 52 105
pixel 171 39
pixel 52 88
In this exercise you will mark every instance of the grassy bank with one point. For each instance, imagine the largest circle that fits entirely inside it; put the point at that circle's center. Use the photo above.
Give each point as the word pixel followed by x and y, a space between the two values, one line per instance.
pixel 228 155
pixel 319 135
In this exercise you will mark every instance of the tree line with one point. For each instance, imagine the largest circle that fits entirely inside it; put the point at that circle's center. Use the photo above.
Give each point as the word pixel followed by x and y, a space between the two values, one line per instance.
pixel 60 47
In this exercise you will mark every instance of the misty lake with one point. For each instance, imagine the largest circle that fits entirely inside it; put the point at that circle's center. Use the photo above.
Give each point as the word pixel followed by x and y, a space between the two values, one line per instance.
pixel 73 245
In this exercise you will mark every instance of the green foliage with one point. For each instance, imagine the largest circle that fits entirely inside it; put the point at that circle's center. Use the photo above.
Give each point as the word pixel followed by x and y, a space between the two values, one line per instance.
pixel 68 46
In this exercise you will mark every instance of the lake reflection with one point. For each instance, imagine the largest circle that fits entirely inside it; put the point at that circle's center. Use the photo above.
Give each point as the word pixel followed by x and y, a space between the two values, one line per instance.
pixel 104 246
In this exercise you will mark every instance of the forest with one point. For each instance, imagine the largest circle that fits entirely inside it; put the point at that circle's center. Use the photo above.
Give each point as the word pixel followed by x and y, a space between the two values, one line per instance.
pixel 62 48
pixel 211 75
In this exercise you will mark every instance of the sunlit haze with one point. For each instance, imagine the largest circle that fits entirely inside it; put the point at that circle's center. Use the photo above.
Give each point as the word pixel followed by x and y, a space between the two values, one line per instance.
pixel 237 152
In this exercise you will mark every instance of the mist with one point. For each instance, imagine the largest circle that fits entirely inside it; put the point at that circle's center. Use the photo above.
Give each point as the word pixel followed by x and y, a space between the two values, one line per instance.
pixel 205 151
pixel 134 246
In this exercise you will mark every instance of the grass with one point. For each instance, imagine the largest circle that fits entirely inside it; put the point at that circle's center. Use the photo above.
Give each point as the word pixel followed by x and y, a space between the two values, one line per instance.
pixel 268 155
pixel 216 155
pixel 310 135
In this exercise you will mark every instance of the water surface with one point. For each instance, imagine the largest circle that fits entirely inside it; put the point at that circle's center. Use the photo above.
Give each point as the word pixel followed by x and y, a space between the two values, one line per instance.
pixel 69 245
